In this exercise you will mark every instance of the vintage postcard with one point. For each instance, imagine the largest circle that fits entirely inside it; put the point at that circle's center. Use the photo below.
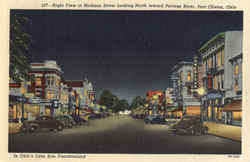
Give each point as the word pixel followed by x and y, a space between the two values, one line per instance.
pixel 88 80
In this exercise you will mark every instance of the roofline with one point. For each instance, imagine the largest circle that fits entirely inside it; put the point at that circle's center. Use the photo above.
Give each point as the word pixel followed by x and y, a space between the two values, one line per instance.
pixel 178 65
pixel 221 34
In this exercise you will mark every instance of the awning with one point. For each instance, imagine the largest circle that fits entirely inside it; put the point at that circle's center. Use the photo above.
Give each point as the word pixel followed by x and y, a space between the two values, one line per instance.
pixel 235 105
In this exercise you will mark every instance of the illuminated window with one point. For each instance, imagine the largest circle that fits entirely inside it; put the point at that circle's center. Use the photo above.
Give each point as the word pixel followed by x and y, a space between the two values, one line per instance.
pixel 50 95
pixel 222 56
pixel 215 82
pixel 181 76
pixel 219 59
pixel 38 82
pixel 237 116
pixel 236 86
pixel 189 76
pixel 57 82
pixel 236 69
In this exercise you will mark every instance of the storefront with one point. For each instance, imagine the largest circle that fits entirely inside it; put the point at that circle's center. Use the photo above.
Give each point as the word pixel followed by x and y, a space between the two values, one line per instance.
pixel 16 106
pixel 233 113
pixel 193 111
pixel 213 107
pixel 177 113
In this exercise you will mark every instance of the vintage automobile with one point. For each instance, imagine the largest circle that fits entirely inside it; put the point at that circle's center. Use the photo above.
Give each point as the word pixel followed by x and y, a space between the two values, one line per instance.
pixel 171 122
pixel 154 119
pixel 190 125
pixel 42 122
pixel 67 120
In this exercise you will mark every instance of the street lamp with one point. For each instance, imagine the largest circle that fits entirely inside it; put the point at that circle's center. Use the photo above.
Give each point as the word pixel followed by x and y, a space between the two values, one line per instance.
pixel 23 91
pixel 201 92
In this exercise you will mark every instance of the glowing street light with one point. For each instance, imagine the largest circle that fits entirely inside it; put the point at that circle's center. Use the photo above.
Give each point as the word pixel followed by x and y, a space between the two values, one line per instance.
pixel 201 91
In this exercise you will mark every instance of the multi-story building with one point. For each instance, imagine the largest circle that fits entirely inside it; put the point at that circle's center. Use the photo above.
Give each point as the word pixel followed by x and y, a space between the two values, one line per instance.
pixel 81 95
pixel 222 60
pixel 64 97
pixel 46 85
pixel 19 100
pixel 186 102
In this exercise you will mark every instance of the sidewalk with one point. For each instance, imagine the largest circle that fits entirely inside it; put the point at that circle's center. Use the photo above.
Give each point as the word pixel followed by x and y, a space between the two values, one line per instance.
pixel 223 130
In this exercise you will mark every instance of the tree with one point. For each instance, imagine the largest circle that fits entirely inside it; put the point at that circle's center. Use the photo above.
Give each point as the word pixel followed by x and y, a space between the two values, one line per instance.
pixel 108 99
pixel 20 45
pixel 121 105
pixel 137 101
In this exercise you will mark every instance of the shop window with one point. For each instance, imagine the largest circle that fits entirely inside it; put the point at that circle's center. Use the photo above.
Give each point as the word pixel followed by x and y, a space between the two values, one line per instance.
pixel 189 76
pixel 209 112
pixel 236 69
pixel 38 81
pixel 237 116
pixel 219 117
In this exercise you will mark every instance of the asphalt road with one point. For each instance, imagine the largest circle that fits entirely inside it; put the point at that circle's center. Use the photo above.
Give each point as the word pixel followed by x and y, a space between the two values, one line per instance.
pixel 120 135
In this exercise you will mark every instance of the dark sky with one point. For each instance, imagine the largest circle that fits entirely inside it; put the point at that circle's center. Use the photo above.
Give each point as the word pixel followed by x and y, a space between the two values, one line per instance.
pixel 126 52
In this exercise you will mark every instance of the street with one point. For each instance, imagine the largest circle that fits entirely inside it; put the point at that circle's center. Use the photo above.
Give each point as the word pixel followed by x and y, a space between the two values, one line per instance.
pixel 120 134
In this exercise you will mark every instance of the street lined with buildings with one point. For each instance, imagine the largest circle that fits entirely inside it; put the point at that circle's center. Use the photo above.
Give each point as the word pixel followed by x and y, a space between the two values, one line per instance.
pixel 205 97
pixel 120 135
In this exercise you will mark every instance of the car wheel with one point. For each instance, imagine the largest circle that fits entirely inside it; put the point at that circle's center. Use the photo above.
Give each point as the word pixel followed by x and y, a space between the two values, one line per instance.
pixel 59 127
pixel 32 129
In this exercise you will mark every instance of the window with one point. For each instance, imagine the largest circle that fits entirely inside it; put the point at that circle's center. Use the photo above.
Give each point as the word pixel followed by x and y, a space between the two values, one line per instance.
pixel 236 86
pixel 57 82
pixel 50 95
pixel 209 62
pixel 237 116
pixel 210 82
pixel 38 81
pixel 222 81
pixel 181 76
pixel 48 82
pixel 222 56
pixel 215 82
pixel 236 69
pixel 189 76
pixel 218 59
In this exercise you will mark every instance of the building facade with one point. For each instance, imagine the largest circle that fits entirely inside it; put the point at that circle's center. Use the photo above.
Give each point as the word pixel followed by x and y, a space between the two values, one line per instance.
pixel 183 83
pixel 222 65
pixel 46 85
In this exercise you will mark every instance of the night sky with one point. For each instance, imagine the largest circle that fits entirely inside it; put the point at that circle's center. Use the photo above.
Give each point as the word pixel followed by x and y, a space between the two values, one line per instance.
pixel 128 53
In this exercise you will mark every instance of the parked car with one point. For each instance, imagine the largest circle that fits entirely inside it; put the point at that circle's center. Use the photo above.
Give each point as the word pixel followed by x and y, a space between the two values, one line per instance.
pixel 171 122
pixel 154 119
pixel 42 122
pixel 190 125
pixel 78 119
pixel 67 120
